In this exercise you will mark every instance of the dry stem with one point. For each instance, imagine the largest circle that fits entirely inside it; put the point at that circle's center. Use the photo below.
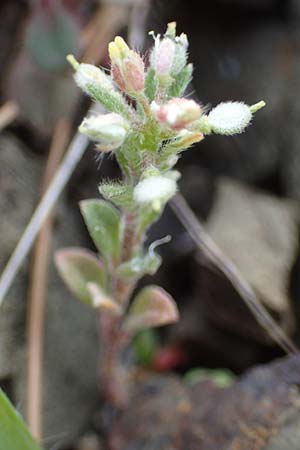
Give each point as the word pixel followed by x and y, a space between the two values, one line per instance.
pixel 37 294
pixel 215 255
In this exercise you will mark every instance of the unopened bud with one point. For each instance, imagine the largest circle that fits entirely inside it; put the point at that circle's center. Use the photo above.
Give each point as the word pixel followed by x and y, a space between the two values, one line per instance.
pixel 162 56
pixel 177 113
pixel 108 130
pixel 87 76
pixel 169 55
pixel 127 67
pixel 229 118
pixel 155 190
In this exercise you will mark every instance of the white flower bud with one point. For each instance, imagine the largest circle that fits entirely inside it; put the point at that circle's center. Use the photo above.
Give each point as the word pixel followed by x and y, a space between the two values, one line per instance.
pixel 154 189
pixel 88 75
pixel 169 55
pixel 108 130
pixel 229 118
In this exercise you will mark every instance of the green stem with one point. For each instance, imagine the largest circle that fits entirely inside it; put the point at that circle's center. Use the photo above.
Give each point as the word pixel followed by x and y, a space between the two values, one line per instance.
pixel 114 380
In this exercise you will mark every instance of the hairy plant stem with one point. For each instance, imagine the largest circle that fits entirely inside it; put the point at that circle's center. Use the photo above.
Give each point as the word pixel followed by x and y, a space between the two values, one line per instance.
pixel 114 379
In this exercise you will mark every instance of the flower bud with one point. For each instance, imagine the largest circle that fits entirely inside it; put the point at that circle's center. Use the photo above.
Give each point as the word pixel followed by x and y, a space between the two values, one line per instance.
pixel 156 190
pixel 87 75
pixel 127 67
pixel 169 55
pixel 162 56
pixel 229 118
pixel 177 113
pixel 108 130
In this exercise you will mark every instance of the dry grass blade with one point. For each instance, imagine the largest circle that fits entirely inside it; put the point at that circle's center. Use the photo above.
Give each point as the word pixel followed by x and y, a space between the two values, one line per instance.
pixel 215 255
pixel 101 29
pixel 38 287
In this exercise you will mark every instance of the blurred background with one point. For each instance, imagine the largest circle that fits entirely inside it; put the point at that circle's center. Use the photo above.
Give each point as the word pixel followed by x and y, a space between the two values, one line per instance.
pixel 244 188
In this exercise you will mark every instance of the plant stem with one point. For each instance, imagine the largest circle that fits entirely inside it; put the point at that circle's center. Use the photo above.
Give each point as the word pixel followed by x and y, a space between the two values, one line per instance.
pixel 113 377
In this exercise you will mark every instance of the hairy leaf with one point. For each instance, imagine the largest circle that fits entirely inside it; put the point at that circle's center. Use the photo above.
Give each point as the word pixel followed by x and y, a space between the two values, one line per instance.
pixel 79 267
pixel 152 307
pixel 105 227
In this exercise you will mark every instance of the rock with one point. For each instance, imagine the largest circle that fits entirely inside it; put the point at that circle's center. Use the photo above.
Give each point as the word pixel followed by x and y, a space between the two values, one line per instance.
pixel 259 233
pixel 261 411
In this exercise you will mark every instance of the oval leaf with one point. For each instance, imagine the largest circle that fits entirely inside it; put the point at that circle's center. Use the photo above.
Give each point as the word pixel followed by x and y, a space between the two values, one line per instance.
pixel 78 267
pixel 105 227
pixel 152 307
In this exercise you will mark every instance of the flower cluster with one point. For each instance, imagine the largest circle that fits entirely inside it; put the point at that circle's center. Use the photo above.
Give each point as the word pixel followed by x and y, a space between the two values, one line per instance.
pixel 174 122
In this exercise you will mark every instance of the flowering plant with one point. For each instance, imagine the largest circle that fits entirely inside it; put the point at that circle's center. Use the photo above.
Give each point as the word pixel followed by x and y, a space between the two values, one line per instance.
pixel 147 127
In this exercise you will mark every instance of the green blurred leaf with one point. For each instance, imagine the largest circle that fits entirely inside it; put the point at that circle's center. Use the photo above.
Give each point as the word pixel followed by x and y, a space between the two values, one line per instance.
pixel 14 434
pixel 181 81
pixel 78 267
pixel 145 345
pixel 150 84
pixel 220 377
pixel 51 36
pixel 152 307
pixel 105 227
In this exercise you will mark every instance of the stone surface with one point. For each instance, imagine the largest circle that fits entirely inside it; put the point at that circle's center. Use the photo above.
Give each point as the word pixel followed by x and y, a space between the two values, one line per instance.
pixel 261 411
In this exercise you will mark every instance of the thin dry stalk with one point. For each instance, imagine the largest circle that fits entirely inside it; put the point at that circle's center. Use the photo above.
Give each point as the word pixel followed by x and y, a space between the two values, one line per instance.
pixel 101 29
pixel 215 255
pixel 38 287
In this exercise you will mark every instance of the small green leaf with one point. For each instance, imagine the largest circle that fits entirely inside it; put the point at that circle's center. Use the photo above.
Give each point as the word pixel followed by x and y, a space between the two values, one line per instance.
pixel 79 267
pixel 152 307
pixel 119 194
pixel 220 377
pixel 143 264
pixel 105 227
pixel 150 84
pixel 181 81
pixel 147 216
pixel 112 100
pixel 14 434
pixel 145 345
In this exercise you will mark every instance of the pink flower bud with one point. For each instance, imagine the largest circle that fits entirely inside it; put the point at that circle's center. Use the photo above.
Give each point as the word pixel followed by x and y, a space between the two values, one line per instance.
pixel 162 57
pixel 127 67
pixel 177 113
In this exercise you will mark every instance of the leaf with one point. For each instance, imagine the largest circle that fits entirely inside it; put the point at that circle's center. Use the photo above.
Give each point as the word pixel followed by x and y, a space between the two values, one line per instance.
pixel 14 434
pixel 181 81
pixel 152 307
pixel 150 84
pixel 105 227
pixel 147 216
pixel 102 300
pixel 78 267
pixel 112 100
pixel 145 345
pixel 119 194
pixel 51 35
pixel 220 377
pixel 143 264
